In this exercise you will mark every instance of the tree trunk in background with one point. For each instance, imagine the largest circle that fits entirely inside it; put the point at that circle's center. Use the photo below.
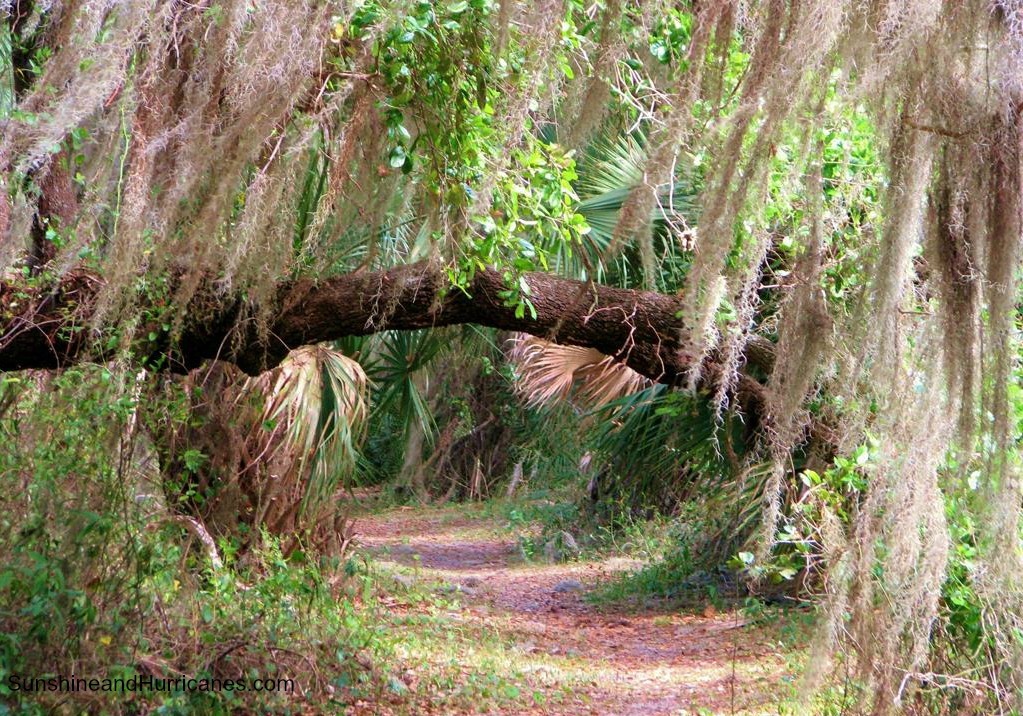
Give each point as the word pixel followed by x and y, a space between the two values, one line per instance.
pixel 516 478
pixel 411 473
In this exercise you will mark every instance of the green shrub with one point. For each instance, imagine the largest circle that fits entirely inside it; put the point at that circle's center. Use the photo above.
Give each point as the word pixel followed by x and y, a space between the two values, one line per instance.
pixel 100 579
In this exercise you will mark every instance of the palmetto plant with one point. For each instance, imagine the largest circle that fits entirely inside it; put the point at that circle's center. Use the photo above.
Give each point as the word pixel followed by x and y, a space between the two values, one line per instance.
pixel 271 452
pixel 661 448
pixel 610 169
pixel 396 362
pixel 312 421
pixel 652 447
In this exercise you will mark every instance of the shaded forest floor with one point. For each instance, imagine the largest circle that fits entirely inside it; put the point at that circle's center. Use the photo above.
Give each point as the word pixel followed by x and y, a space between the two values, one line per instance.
pixel 480 629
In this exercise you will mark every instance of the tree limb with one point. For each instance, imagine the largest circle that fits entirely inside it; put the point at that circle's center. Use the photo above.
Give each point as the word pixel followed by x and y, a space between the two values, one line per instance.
pixel 642 329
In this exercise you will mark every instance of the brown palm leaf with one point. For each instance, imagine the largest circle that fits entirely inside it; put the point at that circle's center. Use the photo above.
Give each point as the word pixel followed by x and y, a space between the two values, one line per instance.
pixel 548 372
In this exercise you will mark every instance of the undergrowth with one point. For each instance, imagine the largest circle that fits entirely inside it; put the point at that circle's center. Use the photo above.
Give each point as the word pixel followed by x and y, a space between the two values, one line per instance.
pixel 104 580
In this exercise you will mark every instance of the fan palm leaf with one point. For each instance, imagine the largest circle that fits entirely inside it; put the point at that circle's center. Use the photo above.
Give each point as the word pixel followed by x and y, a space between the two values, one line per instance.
pixel 548 372
pixel 396 362
pixel 314 413
pixel 610 171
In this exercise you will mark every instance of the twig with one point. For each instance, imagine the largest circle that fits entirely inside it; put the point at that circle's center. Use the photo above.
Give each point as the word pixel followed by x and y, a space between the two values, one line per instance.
pixel 196 528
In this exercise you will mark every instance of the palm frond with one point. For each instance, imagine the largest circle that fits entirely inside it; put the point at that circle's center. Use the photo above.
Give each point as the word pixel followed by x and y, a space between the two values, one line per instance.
pixel 396 366
pixel 608 173
pixel 612 163
pixel 607 380
pixel 343 415
pixel 314 412
pixel 548 372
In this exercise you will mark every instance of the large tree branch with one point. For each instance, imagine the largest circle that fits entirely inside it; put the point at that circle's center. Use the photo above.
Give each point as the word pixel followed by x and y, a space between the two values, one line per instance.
pixel 640 328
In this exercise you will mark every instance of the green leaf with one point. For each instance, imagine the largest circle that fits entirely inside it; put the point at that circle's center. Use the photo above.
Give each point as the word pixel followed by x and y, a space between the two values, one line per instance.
pixel 398 157
pixel 862 455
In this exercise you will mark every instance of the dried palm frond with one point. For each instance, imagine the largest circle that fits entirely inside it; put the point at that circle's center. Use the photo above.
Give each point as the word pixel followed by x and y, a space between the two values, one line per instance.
pixel 547 372
pixel 313 416
pixel 600 383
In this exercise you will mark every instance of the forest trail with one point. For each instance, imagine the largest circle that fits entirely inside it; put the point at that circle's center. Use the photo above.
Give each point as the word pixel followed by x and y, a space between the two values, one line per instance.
pixel 528 627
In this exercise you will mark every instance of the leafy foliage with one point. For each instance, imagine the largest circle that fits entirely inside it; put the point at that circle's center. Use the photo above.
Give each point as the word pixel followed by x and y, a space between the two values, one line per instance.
pixel 833 189
pixel 100 578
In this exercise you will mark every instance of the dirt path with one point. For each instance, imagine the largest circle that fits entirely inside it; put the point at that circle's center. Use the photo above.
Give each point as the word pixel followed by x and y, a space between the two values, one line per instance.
pixel 587 660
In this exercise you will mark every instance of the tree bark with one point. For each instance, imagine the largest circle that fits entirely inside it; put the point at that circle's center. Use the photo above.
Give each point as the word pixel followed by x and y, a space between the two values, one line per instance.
pixel 640 328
